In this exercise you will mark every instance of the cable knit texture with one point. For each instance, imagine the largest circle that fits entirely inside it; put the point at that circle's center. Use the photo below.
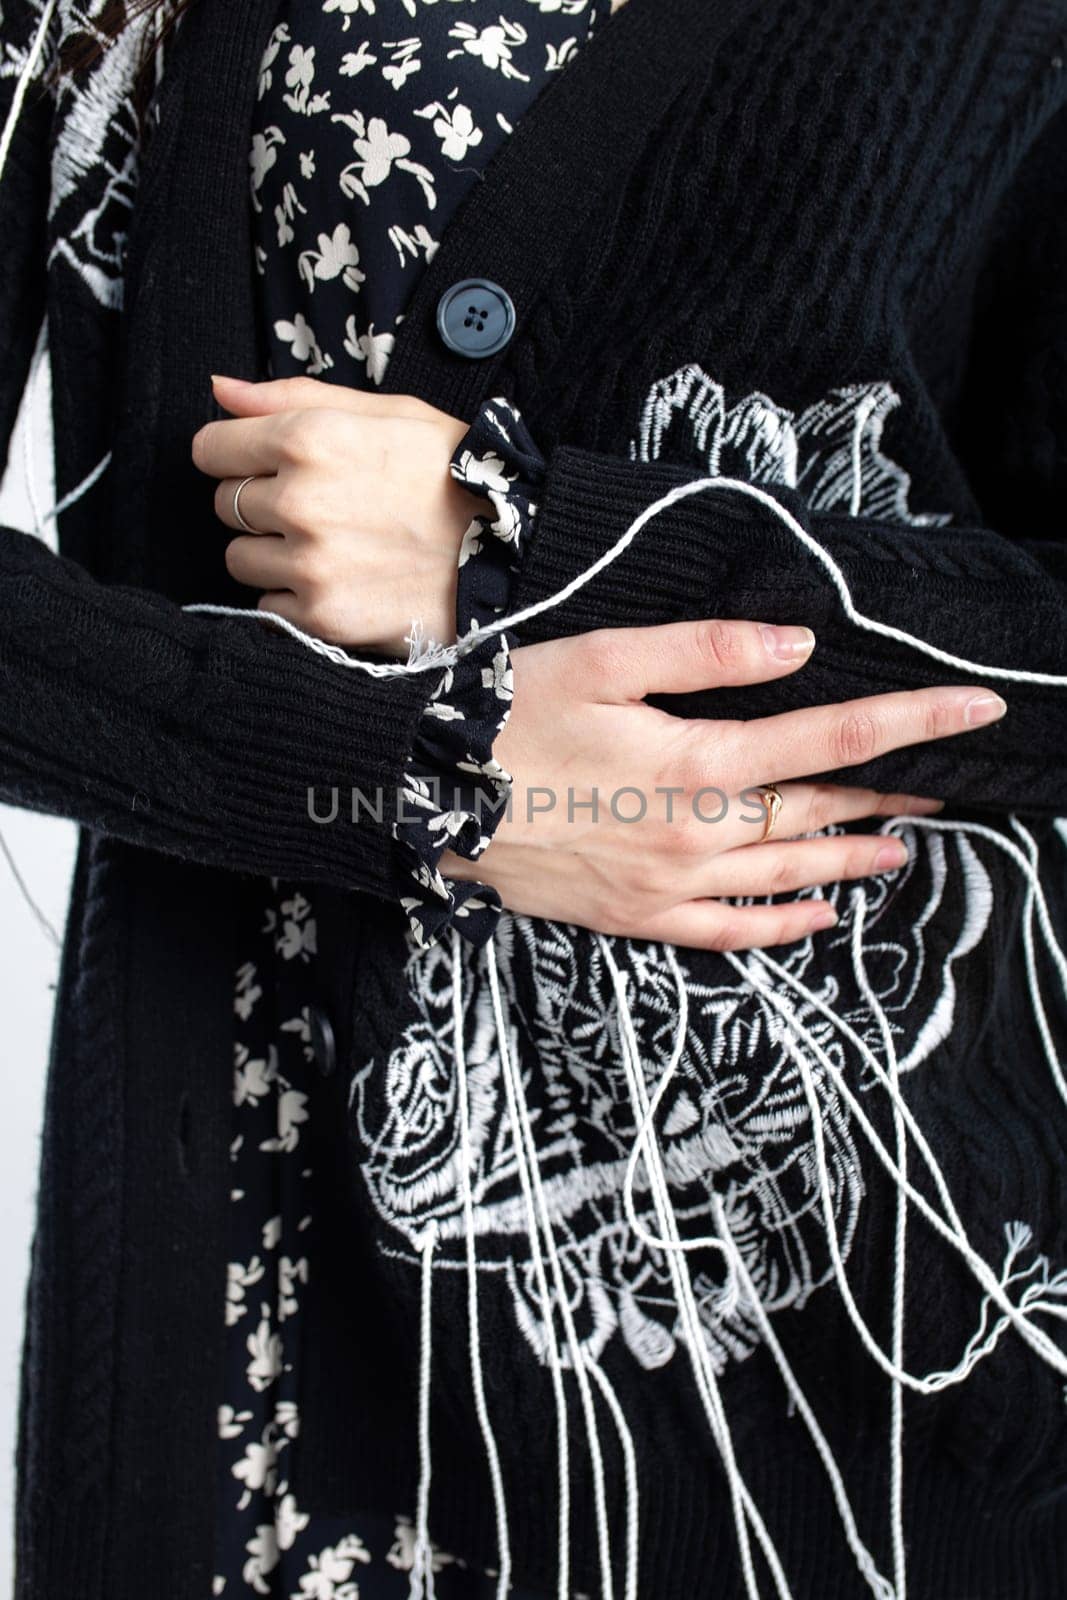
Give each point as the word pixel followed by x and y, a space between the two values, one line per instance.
pixel 718 214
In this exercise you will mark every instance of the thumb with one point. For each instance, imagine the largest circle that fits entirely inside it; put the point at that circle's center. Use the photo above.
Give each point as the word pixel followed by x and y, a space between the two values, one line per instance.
pixel 244 399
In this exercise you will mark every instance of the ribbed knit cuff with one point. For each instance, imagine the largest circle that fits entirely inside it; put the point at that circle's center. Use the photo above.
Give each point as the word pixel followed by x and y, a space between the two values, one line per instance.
pixel 709 542
pixel 307 761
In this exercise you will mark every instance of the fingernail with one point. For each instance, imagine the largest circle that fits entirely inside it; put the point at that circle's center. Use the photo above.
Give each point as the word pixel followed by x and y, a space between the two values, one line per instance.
pixel 890 855
pixel 984 708
pixel 223 377
pixel 825 917
pixel 925 808
pixel 788 644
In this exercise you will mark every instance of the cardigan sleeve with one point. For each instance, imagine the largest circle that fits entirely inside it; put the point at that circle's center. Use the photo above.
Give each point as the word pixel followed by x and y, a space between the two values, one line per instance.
pixel 217 739
pixel 994 591
pixel 221 740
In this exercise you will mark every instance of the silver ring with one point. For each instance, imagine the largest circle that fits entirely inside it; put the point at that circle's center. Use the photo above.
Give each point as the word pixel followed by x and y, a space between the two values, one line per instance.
pixel 247 526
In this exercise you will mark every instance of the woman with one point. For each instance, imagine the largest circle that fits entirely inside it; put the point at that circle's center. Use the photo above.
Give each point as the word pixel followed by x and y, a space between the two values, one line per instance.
pixel 745 314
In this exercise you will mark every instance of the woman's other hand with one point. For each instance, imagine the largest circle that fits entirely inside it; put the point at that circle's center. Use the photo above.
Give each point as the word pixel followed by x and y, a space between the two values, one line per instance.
pixel 580 733
pixel 359 520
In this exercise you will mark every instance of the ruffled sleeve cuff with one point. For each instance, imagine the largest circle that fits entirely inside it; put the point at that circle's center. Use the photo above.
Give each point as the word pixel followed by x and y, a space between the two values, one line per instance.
pixel 455 791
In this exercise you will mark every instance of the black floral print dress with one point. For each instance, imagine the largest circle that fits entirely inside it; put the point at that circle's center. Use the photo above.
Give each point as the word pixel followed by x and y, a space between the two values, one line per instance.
pixel 373 118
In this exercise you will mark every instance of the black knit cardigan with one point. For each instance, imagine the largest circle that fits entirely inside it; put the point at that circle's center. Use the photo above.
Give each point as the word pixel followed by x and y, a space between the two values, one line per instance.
pixel 793 196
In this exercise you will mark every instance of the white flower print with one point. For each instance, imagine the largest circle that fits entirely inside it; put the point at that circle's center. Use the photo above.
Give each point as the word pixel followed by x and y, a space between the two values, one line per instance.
pixel 498 676
pixel 349 9
pixel 328 1572
pixel 258 1467
pixel 287 1419
pixel 262 156
pixel 288 1521
pixel 455 128
pixel 299 77
pixel 402 1555
pixel 292 1111
pixel 231 1423
pixel 492 45
pixel 354 61
pixel 247 992
pixel 284 214
pixel 373 348
pixel 405 62
pixel 378 151
pixel 557 56
pixel 279 37
pixel 252 1076
pixel 472 541
pixel 409 246
pixel 485 472
pixel 239 1278
pixel 290 1273
pixel 265 1348
pixel 390 123
pixel 301 336
pixel 336 257
pixel 262 1558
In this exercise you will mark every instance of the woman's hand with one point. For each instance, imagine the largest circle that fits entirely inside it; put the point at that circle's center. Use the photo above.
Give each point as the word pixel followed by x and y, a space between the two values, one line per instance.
pixel 359 520
pixel 579 729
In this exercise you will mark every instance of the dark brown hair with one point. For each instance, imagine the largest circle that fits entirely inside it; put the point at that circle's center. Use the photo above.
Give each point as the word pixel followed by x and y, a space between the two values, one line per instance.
pixel 82 50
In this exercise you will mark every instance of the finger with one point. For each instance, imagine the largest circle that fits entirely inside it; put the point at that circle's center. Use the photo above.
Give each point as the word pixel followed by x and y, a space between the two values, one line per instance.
pixel 245 399
pixel 785 868
pixel 258 505
pixel 712 925
pixel 620 664
pixel 835 737
pixel 807 807
pixel 261 562
pixel 238 448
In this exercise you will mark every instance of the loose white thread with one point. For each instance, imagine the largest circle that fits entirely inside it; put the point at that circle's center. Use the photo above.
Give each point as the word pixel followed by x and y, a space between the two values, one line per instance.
pixel 474 1333
pixel 24 889
pixel 953 1232
pixel 703 1371
pixel 724 1241
pixel 29 464
pixel 24 80
pixel 79 489
pixel 421 1586
pixel 680 492
pixel 577 1359
pixel 533 1233
pixel 422 1572
pixel 896 1392
pixel 629 1463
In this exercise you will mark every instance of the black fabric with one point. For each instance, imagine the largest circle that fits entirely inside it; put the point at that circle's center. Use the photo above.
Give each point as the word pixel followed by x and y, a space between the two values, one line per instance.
pixel 797 198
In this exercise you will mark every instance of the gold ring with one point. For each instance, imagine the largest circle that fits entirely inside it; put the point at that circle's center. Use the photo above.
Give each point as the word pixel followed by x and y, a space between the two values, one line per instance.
pixel 247 526
pixel 771 800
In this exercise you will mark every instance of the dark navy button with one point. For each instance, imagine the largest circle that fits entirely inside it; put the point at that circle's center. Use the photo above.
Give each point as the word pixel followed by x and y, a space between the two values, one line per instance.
pixel 475 318
pixel 323 1043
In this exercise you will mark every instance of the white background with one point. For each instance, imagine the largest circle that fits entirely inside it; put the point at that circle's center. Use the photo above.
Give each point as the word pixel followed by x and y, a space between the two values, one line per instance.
pixel 43 849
